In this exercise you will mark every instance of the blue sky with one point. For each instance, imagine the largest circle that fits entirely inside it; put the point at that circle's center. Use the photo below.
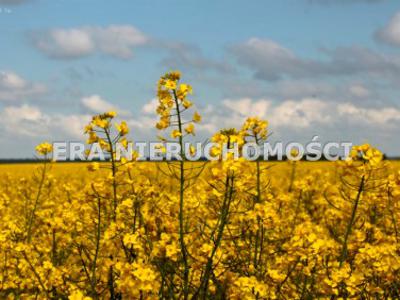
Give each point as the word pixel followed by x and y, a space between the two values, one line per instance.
pixel 312 67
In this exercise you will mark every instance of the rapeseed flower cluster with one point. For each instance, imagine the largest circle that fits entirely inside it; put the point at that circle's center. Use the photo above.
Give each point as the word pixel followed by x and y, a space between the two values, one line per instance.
pixel 227 229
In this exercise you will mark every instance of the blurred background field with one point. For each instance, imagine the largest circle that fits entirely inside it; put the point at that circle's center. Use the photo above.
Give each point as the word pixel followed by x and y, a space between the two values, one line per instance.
pixel 79 170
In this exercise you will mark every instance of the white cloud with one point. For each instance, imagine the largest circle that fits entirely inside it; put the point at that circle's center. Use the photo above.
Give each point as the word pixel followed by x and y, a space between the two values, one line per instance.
pixel 359 90
pixel 24 112
pixel 390 33
pixel 300 114
pixel 114 40
pixel 15 88
pixel 10 80
pixel 67 43
pixel 23 120
pixel 119 40
pixel 71 125
pixel 385 116
pixel 142 125
pixel 297 115
pixel 30 121
pixel 96 104
pixel 270 61
pixel 258 53
pixel 150 107
pixel 287 119
pixel 248 107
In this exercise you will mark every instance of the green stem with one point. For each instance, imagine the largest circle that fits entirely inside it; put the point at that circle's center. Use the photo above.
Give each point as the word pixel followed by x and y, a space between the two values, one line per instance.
pixel 114 172
pixel 98 235
pixel 343 254
pixel 33 212
pixel 223 221
pixel 181 206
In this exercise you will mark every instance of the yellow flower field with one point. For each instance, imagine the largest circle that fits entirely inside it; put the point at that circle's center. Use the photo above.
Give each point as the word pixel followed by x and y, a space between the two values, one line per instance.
pixel 227 229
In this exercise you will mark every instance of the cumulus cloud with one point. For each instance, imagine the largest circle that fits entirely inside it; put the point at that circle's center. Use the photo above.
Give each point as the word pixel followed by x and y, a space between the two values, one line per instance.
pixel 115 40
pixel 15 88
pixel 69 125
pixel 30 121
pixel 96 104
pixel 150 107
pixel 248 107
pixel 359 90
pixel 299 115
pixel 390 33
pixel 301 118
pixel 288 113
pixel 271 61
pixel 23 120
pixel 385 116
pixel 30 124
pixel 291 116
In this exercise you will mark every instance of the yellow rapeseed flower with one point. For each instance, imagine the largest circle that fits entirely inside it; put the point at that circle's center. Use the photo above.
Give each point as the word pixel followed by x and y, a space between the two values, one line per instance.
pixel 44 148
